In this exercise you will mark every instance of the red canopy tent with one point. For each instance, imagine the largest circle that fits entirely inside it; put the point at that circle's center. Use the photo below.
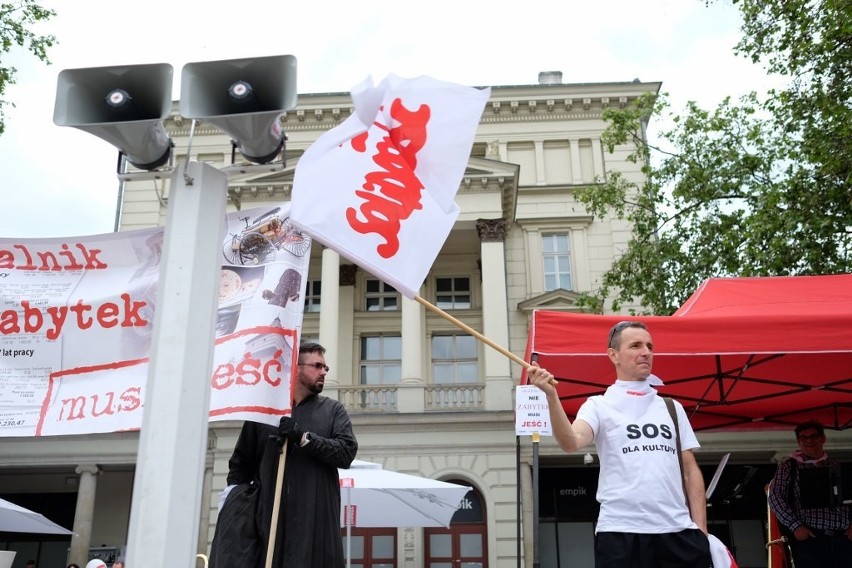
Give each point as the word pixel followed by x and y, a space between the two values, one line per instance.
pixel 742 353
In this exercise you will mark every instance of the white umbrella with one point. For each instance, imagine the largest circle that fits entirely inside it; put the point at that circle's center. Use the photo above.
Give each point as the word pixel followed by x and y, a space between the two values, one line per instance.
pixel 376 497
pixel 6 558
pixel 14 518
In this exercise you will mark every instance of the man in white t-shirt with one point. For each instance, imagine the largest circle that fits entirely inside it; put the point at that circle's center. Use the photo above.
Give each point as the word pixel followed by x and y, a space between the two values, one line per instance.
pixel 645 521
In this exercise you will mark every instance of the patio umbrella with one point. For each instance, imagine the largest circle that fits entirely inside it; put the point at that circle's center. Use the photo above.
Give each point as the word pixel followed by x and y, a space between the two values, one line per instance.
pixel 6 558
pixel 375 497
pixel 14 518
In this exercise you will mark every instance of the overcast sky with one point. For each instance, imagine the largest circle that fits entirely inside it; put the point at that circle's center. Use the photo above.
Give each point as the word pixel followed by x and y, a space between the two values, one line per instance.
pixel 60 181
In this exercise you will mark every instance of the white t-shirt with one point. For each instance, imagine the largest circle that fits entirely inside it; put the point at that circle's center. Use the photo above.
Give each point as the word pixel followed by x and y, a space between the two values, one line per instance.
pixel 639 487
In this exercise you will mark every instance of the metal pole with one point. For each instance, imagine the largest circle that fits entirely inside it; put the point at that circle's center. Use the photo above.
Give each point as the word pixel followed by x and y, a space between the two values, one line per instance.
pixel 173 440
pixel 535 440
pixel 348 526
pixel 518 497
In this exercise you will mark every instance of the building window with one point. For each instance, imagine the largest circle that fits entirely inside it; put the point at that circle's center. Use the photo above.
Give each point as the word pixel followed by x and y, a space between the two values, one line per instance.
pixel 380 296
pixel 556 259
pixel 454 359
pixel 452 293
pixel 381 360
pixel 381 370
pixel 313 292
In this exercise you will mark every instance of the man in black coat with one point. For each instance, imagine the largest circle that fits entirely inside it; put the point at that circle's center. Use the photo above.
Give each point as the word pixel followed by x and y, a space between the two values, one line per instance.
pixel 319 440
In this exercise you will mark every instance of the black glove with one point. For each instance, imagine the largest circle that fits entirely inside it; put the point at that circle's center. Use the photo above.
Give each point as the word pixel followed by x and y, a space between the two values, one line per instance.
pixel 289 428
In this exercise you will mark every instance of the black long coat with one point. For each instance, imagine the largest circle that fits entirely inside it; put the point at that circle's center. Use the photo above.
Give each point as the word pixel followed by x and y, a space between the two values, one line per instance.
pixel 308 533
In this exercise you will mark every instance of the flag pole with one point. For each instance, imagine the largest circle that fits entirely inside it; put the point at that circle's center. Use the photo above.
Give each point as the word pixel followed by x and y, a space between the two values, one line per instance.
pixel 476 334
pixel 472 331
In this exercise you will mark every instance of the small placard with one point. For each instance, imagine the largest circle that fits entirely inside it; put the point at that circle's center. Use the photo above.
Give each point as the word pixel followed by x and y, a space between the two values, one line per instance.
pixel 532 415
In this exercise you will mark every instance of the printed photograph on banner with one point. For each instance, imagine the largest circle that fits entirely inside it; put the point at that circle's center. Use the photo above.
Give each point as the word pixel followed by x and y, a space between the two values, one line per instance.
pixel 77 319
pixel 261 236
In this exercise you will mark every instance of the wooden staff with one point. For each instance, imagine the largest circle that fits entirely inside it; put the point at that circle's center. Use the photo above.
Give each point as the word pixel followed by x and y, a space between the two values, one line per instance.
pixel 473 332
pixel 276 505
pixel 476 334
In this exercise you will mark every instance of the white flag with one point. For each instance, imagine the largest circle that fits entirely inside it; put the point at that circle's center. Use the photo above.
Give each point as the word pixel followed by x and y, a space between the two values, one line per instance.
pixel 380 188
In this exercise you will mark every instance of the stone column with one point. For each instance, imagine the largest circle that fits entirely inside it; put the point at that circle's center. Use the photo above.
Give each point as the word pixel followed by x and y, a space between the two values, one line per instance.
pixel 540 174
pixel 346 374
pixel 581 278
pixel 412 341
pixel 330 311
pixel 410 393
pixel 576 165
pixel 495 316
pixel 82 537
pixel 597 158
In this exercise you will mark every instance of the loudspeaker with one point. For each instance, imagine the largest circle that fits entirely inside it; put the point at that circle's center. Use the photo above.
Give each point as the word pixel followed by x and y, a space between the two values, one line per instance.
pixel 244 98
pixel 125 105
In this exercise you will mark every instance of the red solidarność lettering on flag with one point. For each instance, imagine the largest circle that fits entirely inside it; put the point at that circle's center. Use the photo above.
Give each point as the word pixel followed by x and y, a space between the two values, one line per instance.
pixel 380 188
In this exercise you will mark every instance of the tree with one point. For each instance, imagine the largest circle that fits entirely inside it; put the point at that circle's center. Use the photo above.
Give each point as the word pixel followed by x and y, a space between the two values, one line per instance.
pixel 16 22
pixel 761 187
pixel 809 41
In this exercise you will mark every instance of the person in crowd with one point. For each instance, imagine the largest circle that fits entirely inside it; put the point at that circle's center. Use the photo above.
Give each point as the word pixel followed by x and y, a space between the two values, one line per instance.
pixel 30 563
pixel 653 510
pixel 96 563
pixel 72 565
pixel 118 564
pixel 804 499
pixel 318 439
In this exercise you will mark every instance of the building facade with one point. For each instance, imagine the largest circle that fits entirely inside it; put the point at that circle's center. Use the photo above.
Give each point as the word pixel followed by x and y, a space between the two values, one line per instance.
pixel 425 396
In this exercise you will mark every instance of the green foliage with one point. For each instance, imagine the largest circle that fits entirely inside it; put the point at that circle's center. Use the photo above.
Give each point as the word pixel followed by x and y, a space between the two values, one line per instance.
pixel 753 188
pixel 16 23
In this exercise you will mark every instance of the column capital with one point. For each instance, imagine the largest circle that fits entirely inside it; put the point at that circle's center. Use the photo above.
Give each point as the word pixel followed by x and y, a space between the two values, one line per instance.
pixel 492 230
pixel 92 468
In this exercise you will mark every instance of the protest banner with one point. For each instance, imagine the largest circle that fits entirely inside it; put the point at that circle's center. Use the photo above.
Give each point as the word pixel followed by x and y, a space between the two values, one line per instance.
pixel 76 316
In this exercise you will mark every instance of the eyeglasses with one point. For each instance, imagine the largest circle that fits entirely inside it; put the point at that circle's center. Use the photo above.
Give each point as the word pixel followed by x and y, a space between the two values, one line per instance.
pixel 317 365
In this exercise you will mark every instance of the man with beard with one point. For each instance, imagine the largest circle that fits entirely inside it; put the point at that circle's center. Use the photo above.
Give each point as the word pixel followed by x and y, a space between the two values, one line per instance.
pixel 319 440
